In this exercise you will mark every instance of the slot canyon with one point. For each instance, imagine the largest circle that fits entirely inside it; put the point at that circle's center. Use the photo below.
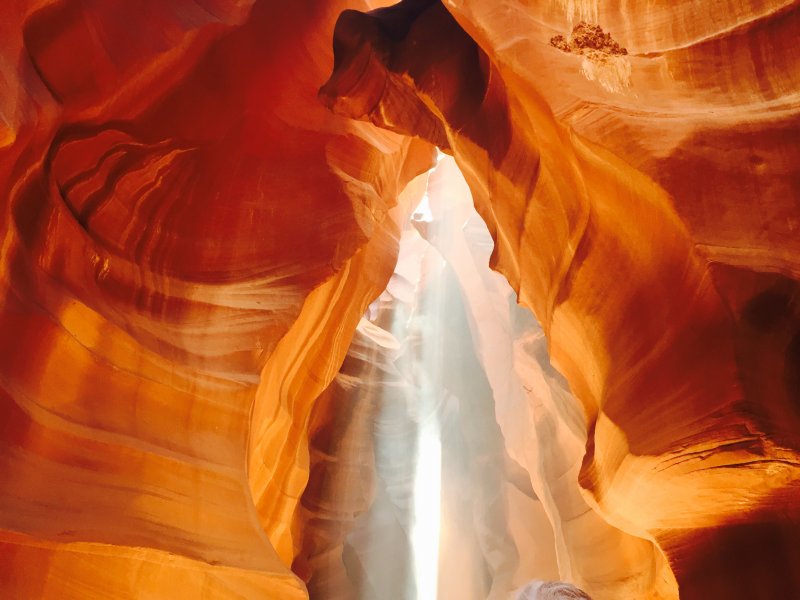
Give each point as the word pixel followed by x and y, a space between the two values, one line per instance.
pixel 417 300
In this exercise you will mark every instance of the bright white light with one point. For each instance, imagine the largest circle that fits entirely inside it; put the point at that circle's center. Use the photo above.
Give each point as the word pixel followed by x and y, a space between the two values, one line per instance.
pixel 423 211
pixel 427 494
pixel 428 474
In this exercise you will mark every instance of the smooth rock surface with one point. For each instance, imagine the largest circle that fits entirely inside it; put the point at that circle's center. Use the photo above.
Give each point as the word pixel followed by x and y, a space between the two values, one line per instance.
pixel 212 359
pixel 633 210
pixel 173 192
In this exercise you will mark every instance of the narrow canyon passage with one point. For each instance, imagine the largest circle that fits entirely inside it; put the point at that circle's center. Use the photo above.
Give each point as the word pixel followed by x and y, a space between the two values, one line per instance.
pixel 423 466
pixel 394 300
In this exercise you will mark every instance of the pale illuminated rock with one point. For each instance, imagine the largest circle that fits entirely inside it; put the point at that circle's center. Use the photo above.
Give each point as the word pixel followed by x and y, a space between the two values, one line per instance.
pixel 415 369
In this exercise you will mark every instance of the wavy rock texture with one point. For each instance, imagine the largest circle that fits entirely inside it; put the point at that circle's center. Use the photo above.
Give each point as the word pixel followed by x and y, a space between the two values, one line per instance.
pixel 173 192
pixel 190 240
pixel 644 207
pixel 542 423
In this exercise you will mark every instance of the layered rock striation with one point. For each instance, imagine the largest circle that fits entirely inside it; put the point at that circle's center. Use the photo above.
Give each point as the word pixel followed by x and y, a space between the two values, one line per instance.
pixel 173 192
pixel 608 190
pixel 191 238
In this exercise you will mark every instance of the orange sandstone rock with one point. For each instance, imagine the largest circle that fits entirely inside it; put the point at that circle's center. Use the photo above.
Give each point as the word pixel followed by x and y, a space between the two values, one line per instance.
pixel 598 187
pixel 190 239
pixel 173 192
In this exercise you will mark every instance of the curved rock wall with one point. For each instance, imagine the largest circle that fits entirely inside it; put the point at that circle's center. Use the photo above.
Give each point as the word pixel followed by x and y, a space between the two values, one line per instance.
pixel 433 361
pixel 190 239
pixel 173 192
pixel 604 181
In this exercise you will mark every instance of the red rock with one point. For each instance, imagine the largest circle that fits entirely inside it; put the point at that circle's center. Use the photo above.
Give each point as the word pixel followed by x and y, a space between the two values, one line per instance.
pixel 190 240
pixel 174 192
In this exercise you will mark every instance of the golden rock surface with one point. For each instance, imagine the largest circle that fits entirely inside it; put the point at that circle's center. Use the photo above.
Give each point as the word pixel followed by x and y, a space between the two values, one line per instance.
pixel 192 231
pixel 644 205
pixel 173 192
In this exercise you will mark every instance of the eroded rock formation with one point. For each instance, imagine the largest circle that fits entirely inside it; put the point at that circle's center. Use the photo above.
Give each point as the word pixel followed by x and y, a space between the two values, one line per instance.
pixel 190 240
pixel 435 354
pixel 645 295
pixel 167 212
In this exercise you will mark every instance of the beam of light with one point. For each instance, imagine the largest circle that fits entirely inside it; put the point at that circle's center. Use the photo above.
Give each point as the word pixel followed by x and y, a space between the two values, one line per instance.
pixel 407 442
pixel 425 530
pixel 427 494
